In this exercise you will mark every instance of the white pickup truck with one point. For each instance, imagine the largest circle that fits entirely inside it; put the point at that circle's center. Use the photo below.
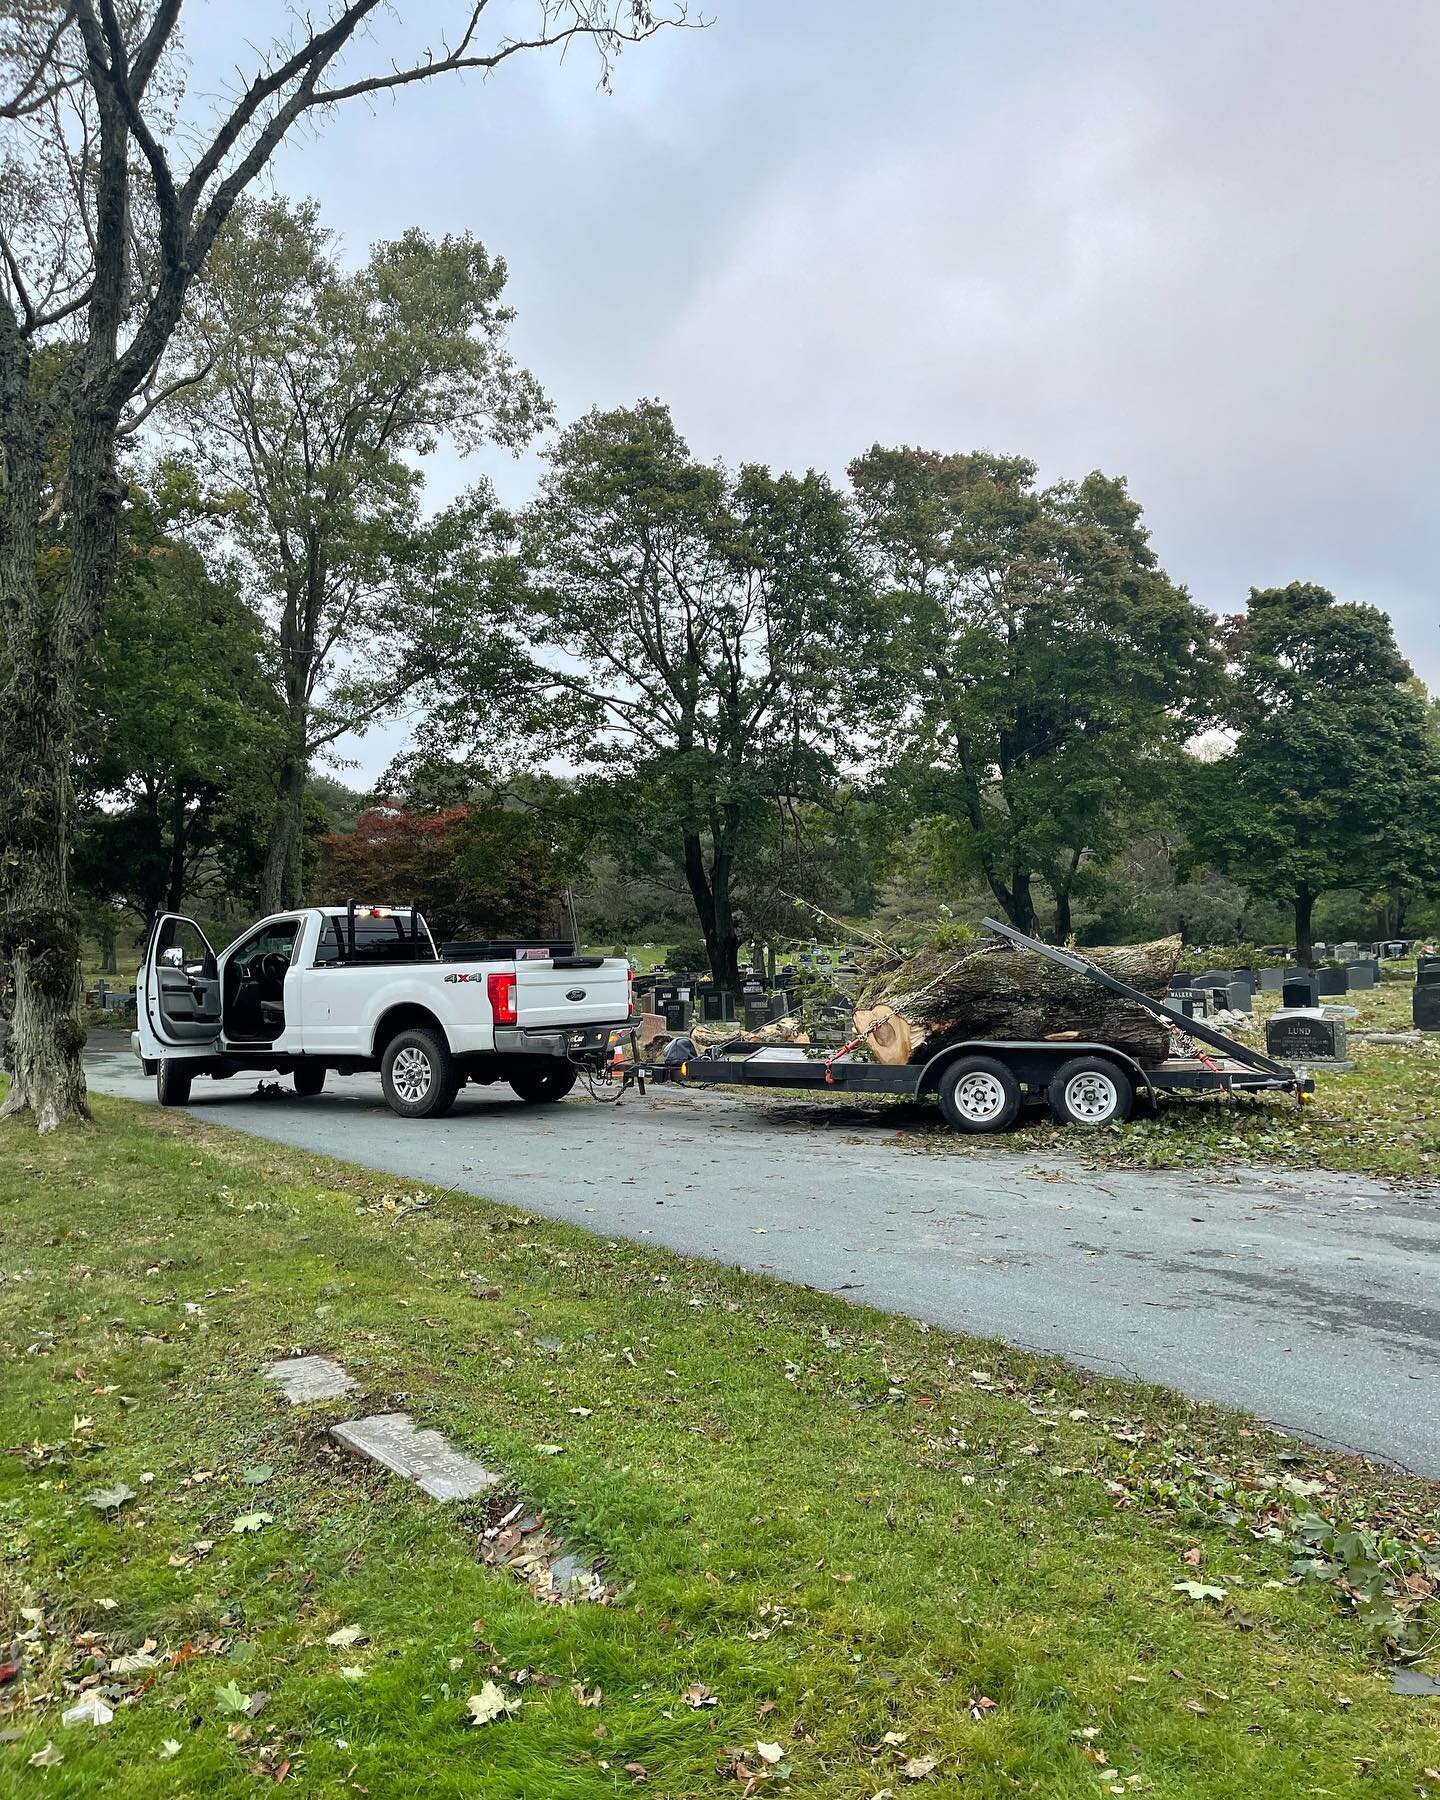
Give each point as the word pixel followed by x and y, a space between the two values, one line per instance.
pixel 352 988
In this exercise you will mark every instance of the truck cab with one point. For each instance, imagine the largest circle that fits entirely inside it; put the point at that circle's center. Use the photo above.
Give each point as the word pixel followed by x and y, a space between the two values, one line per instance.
pixel 323 988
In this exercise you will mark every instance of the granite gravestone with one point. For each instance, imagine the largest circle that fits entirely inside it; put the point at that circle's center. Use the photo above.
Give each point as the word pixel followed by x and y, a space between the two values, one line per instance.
pixel 1299 991
pixel 1331 982
pixel 1362 977
pixel 1306 1037
pixel 1425 1005
pixel 1271 980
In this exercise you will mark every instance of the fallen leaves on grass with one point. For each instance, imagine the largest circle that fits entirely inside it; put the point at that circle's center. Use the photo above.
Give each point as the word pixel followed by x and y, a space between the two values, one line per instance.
pixel 346 1636
pixel 254 1521
pixel 491 1703
pixel 918 1768
pixel 697 1695
pixel 90 1709
pixel 111 1499
pixel 1199 1590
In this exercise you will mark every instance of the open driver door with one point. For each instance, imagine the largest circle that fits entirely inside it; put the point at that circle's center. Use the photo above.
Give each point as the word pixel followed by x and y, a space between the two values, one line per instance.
pixel 179 1000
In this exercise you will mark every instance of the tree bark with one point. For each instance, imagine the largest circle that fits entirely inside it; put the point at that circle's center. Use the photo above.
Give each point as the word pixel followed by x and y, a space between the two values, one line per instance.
pixel 908 1010
pixel 282 878
pixel 1304 926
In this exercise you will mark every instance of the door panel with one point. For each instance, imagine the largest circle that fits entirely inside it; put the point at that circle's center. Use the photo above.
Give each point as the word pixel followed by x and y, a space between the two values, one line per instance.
pixel 182 983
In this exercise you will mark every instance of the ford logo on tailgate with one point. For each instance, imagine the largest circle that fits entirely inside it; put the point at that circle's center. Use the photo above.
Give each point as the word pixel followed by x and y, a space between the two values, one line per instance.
pixel 576 994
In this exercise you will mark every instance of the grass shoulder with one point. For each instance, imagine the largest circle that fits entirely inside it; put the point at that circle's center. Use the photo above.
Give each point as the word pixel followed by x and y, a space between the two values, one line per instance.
pixel 870 1543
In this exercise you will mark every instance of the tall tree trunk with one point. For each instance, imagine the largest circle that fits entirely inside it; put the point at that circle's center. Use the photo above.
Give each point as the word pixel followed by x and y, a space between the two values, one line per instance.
pixel 175 890
pixel 1022 903
pixel 284 861
pixel 1304 929
pixel 49 639
pixel 1062 916
pixel 109 931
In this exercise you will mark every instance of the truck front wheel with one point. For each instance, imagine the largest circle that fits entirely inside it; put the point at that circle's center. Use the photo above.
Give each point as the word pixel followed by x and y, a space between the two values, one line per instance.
pixel 418 1075
pixel 551 1082
pixel 172 1083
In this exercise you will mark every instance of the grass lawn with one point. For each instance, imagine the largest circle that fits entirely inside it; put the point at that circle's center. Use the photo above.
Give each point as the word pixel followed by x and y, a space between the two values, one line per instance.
pixel 903 1561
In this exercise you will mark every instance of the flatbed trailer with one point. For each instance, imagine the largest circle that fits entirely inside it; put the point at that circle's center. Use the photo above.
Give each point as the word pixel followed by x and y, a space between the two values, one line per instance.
pixel 983 1084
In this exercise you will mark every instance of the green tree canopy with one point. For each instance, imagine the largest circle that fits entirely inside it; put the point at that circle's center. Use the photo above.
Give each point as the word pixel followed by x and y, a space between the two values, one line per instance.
pixel 1042 670
pixel 1333 779
pixel 700 621
pixel 326 390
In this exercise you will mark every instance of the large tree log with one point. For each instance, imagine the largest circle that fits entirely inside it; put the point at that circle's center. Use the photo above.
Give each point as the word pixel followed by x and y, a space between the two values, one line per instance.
pixel 907 1010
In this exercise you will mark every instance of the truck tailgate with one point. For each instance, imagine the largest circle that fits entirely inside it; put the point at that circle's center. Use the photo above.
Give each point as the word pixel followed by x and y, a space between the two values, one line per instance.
pixel 547 993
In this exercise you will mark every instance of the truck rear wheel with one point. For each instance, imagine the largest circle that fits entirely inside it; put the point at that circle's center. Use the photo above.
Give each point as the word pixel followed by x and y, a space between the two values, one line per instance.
pixel 978 1094
pixel 309 1079
pixel 552 1081
pixel 172 1082
pixel 418 1075
pixel 1090 1090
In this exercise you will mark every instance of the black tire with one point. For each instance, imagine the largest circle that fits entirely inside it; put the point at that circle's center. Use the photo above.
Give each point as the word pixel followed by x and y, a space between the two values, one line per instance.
pixel 1090 1091
pixel 978 1094
pixel 548 1081
pixel 309 1079
pixel 172 1082
pixel 426 1081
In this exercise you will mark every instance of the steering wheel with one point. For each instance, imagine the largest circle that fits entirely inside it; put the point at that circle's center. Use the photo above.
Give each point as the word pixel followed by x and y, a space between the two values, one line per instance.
pixel 273 967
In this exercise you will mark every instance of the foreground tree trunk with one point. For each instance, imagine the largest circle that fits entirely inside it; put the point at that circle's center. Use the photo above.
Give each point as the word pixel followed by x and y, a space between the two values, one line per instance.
pixel 907 1010
pixel 39 934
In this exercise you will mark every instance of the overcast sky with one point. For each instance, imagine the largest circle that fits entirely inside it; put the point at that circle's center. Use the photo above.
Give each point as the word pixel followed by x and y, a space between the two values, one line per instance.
pixel 1193 244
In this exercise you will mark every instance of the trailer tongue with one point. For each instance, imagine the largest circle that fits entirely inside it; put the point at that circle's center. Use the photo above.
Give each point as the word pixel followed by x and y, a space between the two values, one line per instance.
pixel 982 1085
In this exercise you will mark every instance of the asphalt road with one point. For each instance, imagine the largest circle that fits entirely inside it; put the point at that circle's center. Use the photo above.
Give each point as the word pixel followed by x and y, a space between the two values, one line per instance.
pixel 1309 1298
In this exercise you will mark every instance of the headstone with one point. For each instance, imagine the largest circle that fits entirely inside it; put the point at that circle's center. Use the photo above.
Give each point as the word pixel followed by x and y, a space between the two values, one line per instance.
pixel 1362 977
pixel 1213 978
pixel 1329 982
pixel 1182 1005
pixel 1343 952
pixel 423 1457
pixel 712 1007
pixel 1321 949
pixel 1237 997
pixel 679 1009
pixel 1248 976
pixel 1271 980
pixel 1426 967
pixel 1298 971
pixel 305 1378
pixel 1306 1037
pixel 1299 991
pixel 1393 949
pixel 1425 1005
pixel 757 1008
pixel 1181 984
pixel 780 1005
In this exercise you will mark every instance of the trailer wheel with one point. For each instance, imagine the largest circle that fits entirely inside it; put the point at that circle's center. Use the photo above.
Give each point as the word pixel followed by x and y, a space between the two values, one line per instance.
pixel 538 1086
pixel 172 1082
pixel 418 1075
pixel 1090 1091
pixel 978 1094
pixel 309 1079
